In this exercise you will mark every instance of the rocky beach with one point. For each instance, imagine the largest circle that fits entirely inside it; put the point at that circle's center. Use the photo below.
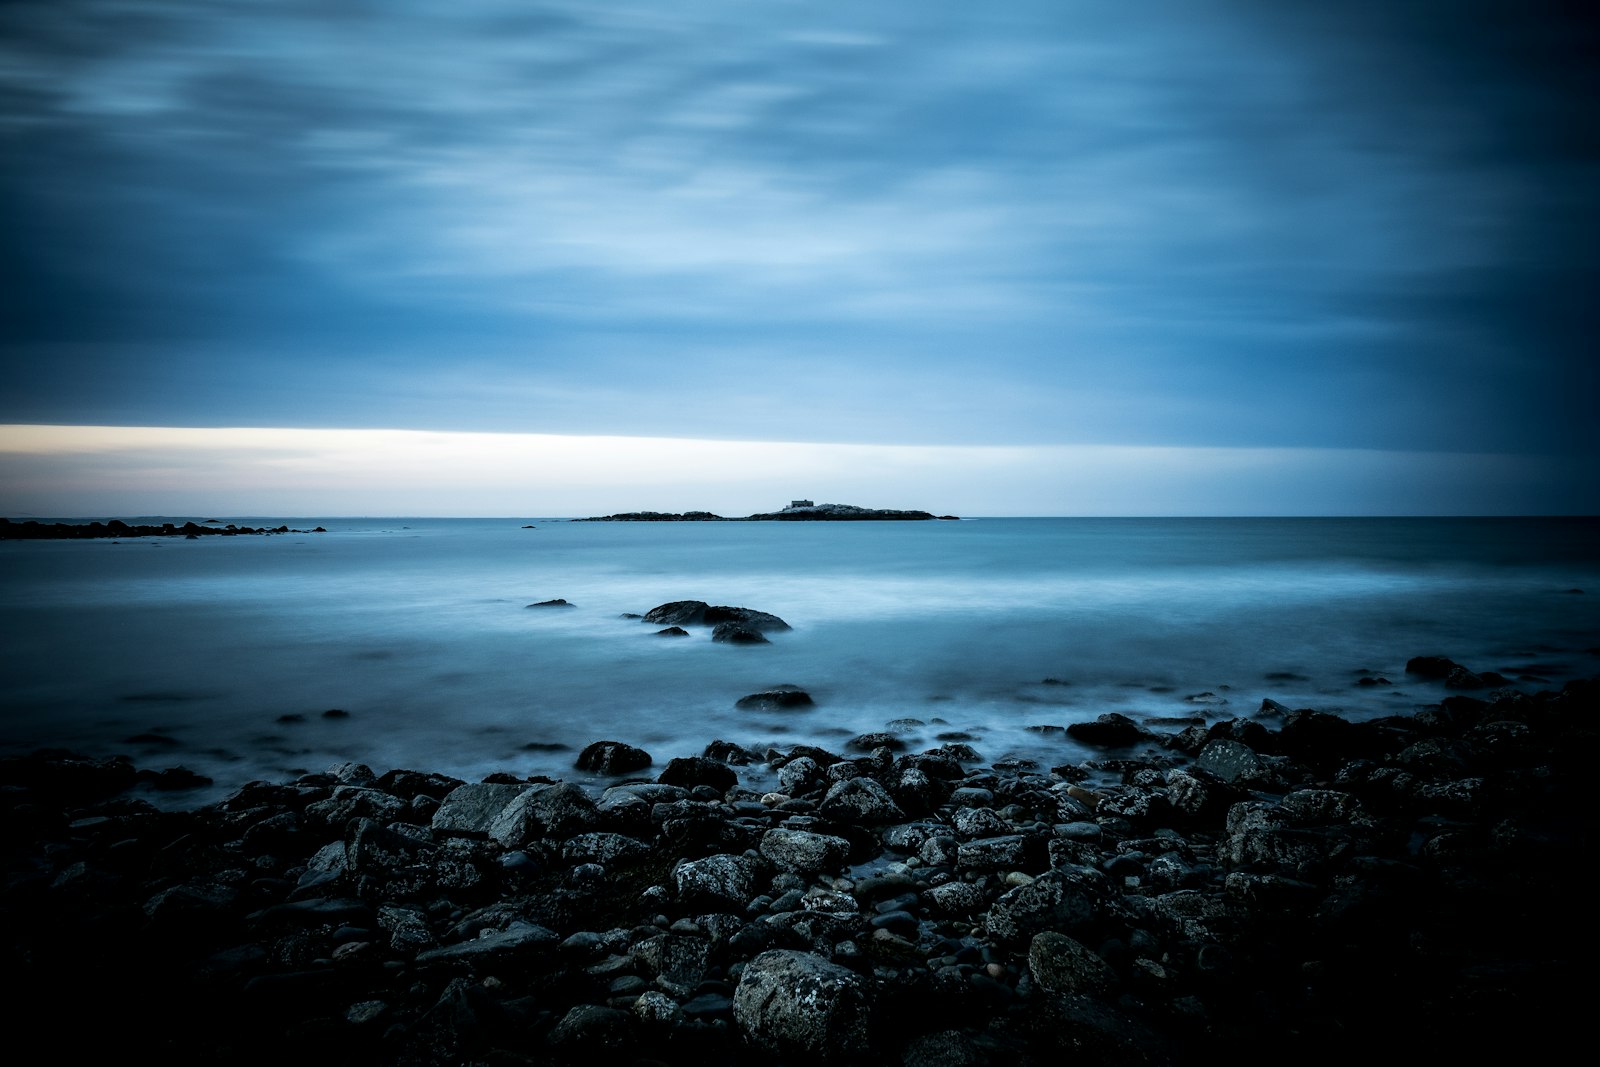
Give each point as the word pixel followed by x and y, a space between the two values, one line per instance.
pixel 1281 886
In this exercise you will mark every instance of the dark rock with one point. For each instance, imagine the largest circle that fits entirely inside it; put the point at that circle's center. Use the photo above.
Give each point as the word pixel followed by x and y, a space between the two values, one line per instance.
pixel 677 613
pixel 1431 666
pixel 690 771
pixel 1111 730
pixel 746 618
pixel 733 633
pixel 778 698
pixel 673 631
pixel 557 603
pixel 612 757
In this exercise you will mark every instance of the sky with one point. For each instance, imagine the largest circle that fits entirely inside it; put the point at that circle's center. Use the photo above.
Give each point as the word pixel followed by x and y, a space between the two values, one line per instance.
pixel 1063 257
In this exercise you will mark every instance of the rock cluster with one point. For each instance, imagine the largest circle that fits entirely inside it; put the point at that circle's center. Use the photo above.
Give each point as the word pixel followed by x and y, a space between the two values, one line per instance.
pixel 1303 891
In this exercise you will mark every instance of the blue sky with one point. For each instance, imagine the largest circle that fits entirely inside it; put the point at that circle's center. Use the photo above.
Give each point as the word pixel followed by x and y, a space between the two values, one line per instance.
pixel 1356 230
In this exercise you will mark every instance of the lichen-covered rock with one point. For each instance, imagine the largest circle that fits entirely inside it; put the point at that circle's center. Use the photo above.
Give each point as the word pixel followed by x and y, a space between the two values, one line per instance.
pixel 791 1003
pixel 804 852
pixel 1062 899
pixel 558 810
pixel 861 801
pixel 1060 964
pixel 469 810
pixel 720 882
pixel 1230 761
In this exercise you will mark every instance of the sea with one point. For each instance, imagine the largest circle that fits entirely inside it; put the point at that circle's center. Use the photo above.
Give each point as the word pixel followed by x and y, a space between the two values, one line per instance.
pixel 225 655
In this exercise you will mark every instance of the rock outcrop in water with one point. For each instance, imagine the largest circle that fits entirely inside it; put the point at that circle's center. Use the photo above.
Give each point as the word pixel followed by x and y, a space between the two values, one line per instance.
pixel 729 625
pixel 800 512
pixel 1409 888
pixel 75 531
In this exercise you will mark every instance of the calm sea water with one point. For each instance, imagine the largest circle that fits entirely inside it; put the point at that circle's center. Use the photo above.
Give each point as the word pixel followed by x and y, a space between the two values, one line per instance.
pixel 188 652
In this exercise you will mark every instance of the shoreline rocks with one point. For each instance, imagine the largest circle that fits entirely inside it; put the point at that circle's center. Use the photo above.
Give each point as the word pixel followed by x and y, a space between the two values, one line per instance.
pixel 1292 886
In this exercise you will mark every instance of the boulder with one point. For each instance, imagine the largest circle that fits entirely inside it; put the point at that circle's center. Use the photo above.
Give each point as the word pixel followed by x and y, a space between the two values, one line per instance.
pixel 748 618
pixel 803 852
pixel 612 757
pixel 677 613
pixel 797 1004
pixel 778 698
pixel 860 801
pixel 1111 730
pixel 733 633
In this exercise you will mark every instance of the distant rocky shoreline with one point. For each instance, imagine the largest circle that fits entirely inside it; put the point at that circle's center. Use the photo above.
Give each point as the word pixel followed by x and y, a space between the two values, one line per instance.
pixel 1284 887
pixel 799 511
pixel 32 530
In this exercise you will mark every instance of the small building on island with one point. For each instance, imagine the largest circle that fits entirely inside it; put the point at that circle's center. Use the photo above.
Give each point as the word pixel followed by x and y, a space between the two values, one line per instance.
pixel 801 504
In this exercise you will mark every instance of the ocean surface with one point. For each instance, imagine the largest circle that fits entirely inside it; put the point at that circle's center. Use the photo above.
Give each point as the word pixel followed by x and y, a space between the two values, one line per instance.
pixel 222 654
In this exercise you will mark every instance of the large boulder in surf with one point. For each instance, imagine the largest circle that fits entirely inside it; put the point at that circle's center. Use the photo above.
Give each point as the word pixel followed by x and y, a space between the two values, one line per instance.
pixel 732 633
pixel 612 757
pixel 699 613
pixel 778 698
pixel 677 613
pixel 748 618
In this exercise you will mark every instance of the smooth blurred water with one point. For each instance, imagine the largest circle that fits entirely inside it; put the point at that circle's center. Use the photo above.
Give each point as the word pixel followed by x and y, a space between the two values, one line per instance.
pixel 418 628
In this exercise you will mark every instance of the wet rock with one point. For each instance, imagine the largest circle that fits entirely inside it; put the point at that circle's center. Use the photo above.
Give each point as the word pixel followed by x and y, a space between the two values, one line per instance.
pixel 733 633
pixel 1111 730
pixel 778 698
pixel 677 613
pixel 690 771
pixel 612 757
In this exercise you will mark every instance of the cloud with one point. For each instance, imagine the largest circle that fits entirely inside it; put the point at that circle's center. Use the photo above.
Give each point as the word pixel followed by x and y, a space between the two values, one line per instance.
pixel 1364 225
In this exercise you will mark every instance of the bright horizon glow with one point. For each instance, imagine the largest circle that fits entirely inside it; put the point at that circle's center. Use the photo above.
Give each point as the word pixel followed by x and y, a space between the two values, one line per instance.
pixel 108 471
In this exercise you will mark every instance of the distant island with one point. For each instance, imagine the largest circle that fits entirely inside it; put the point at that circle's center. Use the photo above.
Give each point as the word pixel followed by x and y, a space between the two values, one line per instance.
pixel 75 531
pixel 797 511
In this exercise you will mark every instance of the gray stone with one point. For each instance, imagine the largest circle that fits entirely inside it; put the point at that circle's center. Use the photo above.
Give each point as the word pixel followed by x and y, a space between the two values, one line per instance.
pixel 603 848
pixel 1231 762
pixel 545 810
pixel 720 881
pixel 678 961
pixel 955 898
pixel 804 852
pixel 494 945
pixel 1061 899
pixel 860 800
pixel 1060 964
pixel 469 810
pixel 792 1003
pixel 992 853
pixel 800 776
